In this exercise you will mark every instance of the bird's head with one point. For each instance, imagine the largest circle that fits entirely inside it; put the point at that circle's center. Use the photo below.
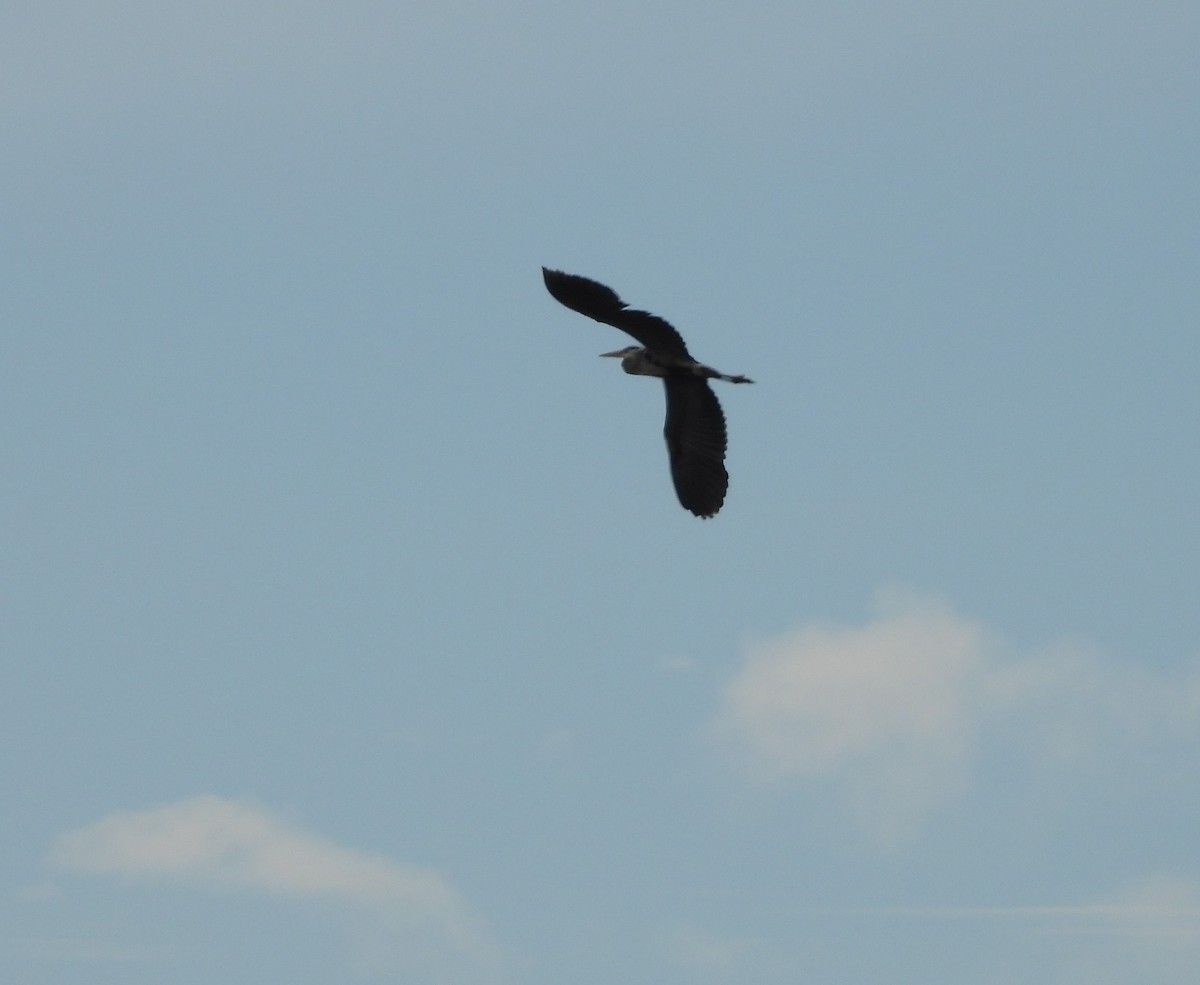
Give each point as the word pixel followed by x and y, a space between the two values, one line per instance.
pixel 622 353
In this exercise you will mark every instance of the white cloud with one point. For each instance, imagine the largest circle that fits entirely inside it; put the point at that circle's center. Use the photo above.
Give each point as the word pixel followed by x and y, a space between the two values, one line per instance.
pixel 226 843
pixel 893 712
pixel 213 843
pixel 883 708
pixel 1068 702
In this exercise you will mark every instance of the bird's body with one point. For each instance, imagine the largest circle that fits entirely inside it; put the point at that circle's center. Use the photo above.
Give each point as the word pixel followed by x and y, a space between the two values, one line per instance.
pixel 638 361
pixel 695 424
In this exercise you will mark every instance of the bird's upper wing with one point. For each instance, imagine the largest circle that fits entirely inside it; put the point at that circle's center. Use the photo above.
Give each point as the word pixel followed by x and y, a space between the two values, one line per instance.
pixel 593 299
pixel 696 441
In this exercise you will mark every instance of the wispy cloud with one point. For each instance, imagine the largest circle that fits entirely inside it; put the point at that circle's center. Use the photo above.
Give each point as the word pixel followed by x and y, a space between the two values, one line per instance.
pixel 1160 905
pixel 1148 930
pixel 702 953
pixel 218 844
pixel 892 712
pixel 70 950
pixel 1155 907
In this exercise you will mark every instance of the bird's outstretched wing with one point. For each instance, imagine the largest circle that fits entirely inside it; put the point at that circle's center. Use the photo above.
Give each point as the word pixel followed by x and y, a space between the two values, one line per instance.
pixel 696 441
pixel 593 299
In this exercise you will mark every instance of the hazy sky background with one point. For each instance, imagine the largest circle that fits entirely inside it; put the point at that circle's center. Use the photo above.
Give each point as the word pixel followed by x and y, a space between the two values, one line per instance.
pixel 351 629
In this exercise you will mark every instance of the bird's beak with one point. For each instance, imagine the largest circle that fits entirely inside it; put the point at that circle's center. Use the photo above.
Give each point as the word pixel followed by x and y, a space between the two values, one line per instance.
pixel 619 352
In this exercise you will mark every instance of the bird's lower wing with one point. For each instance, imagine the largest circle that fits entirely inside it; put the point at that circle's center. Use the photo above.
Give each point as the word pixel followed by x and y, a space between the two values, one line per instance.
pixel 696 442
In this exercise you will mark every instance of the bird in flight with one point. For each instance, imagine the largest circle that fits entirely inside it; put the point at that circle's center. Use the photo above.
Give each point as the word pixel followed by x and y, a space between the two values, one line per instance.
pixel 695 425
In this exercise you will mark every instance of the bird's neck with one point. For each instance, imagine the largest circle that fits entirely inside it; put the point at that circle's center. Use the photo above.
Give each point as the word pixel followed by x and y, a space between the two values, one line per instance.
pixel 642 363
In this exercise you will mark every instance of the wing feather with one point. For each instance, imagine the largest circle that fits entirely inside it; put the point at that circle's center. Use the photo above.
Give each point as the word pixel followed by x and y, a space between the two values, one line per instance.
pixel 603 304
pixel 696 443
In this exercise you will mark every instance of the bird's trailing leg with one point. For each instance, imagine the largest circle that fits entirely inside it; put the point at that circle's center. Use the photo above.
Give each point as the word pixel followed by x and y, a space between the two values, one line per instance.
pixel 711 374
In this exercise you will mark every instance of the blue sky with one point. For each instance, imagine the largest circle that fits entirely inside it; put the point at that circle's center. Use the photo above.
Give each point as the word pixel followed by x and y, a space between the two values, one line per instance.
pixel 352 631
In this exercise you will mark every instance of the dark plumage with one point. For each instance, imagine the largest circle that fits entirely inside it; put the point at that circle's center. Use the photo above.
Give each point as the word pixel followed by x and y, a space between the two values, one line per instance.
pixel 695 424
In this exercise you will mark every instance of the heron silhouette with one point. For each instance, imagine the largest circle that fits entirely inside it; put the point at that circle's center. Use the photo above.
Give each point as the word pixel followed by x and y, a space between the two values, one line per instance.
pixel 695 424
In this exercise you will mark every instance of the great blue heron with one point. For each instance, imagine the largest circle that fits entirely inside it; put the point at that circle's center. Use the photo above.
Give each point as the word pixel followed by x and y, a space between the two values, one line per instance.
pixel 695 426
